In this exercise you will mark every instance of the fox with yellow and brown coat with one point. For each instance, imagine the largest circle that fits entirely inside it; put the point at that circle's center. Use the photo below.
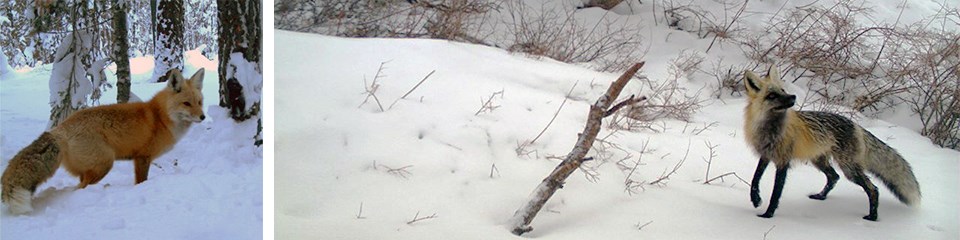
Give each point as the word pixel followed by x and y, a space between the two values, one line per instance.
pixel 784 136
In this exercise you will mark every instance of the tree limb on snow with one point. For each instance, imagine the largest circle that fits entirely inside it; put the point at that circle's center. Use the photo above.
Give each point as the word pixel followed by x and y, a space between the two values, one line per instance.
pixel 523 216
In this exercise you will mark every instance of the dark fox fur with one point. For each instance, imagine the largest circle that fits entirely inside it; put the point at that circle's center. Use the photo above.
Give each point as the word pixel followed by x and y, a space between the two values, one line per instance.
pixel 782 136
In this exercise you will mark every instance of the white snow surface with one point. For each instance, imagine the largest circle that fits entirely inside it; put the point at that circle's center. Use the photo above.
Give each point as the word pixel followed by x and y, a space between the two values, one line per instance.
pixel 349 172
pixel 4 65
pixel 209 186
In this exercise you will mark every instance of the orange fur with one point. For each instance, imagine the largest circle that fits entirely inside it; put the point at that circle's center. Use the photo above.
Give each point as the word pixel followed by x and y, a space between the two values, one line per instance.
pixel 88 142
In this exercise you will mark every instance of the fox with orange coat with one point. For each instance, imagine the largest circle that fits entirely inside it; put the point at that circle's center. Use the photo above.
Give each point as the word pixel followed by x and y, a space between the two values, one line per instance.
pixel 90 140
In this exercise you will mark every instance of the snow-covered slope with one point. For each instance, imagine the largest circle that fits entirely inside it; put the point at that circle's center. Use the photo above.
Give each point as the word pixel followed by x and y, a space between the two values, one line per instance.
pixel 349 172
pixel 208 187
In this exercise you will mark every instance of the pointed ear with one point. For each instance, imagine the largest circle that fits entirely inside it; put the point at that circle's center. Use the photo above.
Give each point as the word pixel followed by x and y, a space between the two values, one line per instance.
pixel 175 80
pixel 752 82
pixel 773 74
pixel 197 79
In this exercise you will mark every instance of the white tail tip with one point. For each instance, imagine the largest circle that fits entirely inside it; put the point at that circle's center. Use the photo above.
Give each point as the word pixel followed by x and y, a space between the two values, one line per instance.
pixel 19 203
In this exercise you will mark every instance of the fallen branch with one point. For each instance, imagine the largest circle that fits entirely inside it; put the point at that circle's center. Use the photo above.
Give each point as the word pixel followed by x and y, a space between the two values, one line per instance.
pixel 488 105
pixel 727 174
pixel 417 218
pixel 666 176
pixel 523 216
pixel 360 213
pixel 411 90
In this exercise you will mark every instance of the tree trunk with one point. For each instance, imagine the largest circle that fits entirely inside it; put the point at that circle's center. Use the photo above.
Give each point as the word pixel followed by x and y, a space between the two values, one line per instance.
pixel 240 54
pixel 240 48
pixel 168 53
pixel 523 216
pixel 121 50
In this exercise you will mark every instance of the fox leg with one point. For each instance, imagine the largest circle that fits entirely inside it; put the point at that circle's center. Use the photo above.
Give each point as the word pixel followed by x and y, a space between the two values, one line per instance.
pixel 95 174
pixel 141 168
pixel 755 184
pixel 823 163
pixel 777 190
pixel 91 164
pixel 856 175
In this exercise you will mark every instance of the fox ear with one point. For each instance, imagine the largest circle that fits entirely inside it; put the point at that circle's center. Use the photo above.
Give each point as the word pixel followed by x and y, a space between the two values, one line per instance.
pixel 175 80
pixel 752 81
pixel 773 74
pixel 197 79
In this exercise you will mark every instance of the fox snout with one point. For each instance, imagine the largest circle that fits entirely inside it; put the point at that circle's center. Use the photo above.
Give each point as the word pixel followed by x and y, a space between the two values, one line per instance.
pixel 786 101
pixel 184 116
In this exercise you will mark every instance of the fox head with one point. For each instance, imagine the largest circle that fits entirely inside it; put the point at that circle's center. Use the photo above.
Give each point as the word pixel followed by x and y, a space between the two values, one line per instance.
pixel 766 94
pixel 186 101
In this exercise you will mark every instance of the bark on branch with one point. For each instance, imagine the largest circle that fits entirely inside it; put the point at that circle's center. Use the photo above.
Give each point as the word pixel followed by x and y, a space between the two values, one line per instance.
pixel 523 216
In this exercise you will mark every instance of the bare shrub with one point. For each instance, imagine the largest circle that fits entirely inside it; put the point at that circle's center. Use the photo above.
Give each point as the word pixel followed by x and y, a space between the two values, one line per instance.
pixel 609 42
pixel 667 99
pixel 605 4
pixel 690 17
pixel 450 19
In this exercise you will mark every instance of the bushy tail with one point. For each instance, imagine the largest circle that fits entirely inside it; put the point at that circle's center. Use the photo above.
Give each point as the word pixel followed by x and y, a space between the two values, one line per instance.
pixel 884 162
pixel 29 168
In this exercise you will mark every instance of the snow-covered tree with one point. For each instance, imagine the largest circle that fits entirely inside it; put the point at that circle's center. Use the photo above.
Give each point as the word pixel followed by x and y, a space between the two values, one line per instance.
pixel 168 44
pixel 241 67
pixel 77 74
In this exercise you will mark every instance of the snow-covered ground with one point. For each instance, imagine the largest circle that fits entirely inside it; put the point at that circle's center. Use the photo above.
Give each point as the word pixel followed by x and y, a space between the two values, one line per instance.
pixel 347 170
pixel 208 187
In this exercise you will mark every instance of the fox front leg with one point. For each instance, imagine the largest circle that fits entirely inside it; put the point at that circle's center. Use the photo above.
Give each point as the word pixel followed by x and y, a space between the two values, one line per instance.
pixel 777 190
pixel 141 168
pixel 755 184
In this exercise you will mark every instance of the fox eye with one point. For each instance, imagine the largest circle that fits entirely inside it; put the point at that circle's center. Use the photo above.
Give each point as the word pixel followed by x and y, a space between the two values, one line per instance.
pixel 186 104
pixel 771 96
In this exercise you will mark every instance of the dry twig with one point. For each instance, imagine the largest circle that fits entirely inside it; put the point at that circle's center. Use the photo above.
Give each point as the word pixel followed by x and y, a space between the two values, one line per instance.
pixel 417 218
pixel 411 90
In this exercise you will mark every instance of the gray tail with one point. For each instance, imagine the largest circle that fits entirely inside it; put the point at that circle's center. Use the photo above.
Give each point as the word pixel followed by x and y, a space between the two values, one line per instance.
pixel 884 162
pixel 31 166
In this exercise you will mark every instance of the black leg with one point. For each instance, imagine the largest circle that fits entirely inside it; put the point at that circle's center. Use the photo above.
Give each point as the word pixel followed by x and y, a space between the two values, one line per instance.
pixel 777 190
pixel 755 184
pixel 861 179
pixel 823 164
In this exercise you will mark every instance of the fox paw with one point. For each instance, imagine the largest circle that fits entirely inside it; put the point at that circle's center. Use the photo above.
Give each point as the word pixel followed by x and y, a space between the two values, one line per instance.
pixel 870 217
pixel 766 215
pixel 818 196
pixel 755 199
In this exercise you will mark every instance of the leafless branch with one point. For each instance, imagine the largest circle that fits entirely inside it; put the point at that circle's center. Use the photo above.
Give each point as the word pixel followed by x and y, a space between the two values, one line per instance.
pixel 371 90
pixel 411 90
pixel 417 218
pixel 768 232
pixel 523 216
pixel 488 105
pixel 640 226
pixel 359 213
pixel 665 175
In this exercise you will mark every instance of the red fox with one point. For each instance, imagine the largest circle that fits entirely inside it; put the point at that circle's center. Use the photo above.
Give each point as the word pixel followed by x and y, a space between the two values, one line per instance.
pixel 782 135
pixel 89 140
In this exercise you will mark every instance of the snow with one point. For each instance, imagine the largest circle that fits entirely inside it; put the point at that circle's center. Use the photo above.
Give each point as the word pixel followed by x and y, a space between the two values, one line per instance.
pixel 347 170
pixel 4 65
pixel 67 70
pixel 209 186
